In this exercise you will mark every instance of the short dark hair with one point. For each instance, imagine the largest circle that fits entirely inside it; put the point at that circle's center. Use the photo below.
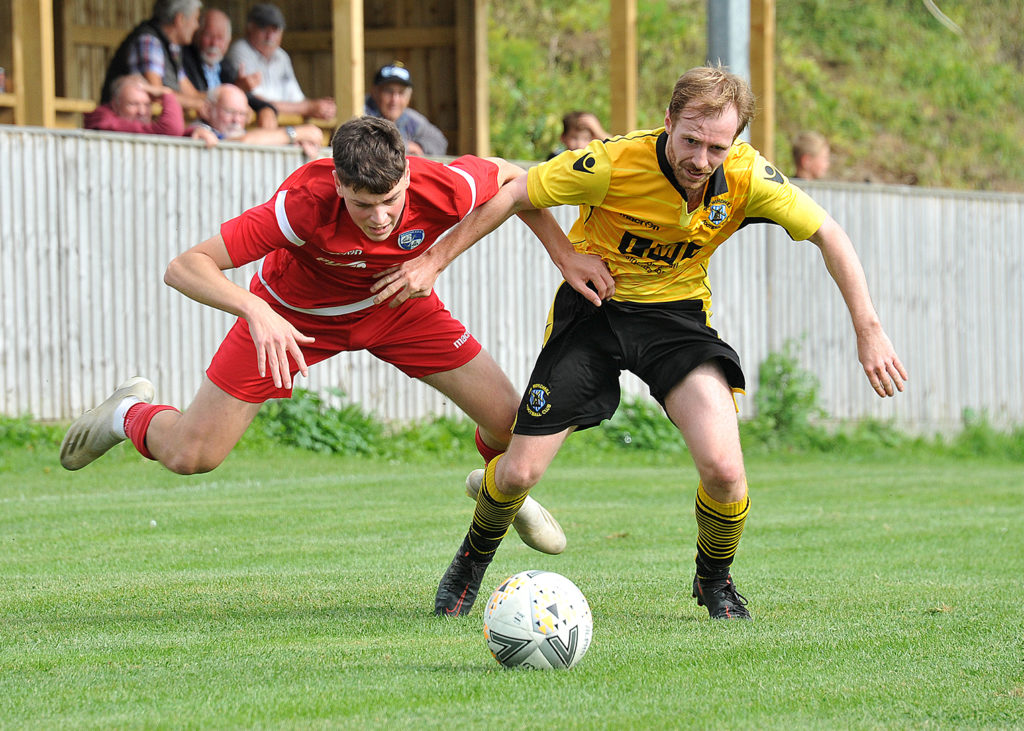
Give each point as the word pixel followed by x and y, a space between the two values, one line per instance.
pixel 369 154
pixel 713 89
pixel 573 121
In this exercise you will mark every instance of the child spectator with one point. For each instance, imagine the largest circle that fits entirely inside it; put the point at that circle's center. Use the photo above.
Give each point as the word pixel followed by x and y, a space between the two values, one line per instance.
pixel 579 129
pixel 811 156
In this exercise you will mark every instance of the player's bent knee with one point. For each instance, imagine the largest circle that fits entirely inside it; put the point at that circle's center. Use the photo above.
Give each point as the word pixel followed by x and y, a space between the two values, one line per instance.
pixel 517 477
pixel 724 474
pixel 191 462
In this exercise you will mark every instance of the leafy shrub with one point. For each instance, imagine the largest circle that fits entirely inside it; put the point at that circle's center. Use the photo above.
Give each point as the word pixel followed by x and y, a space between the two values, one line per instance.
pixel 306 421
pixel 22 431
pixel 979 438
pixel 441 438
pixel 789 418
pixel 640 424
pixel 787 402
pixel 310 422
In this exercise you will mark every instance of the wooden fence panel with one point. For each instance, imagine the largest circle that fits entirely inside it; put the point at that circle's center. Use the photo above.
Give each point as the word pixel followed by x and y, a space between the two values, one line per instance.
pixel 88 222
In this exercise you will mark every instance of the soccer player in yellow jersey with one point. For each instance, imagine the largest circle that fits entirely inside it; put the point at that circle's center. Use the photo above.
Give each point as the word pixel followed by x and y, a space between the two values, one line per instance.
pixel 654 206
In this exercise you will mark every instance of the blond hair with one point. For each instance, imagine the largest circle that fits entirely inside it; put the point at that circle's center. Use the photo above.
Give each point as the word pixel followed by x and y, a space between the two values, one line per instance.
pixel 711 90
pixel 808 142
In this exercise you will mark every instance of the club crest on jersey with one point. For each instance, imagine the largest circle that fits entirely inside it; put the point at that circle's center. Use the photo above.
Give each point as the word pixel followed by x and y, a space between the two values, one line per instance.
pixel 537 403
pixel 716 214
pixel 409 240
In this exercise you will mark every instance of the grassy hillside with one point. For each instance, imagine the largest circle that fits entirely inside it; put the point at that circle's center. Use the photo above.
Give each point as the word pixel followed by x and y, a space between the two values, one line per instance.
pixel 902 98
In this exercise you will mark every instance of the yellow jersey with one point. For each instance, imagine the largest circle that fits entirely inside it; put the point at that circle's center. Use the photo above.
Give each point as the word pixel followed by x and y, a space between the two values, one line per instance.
pixel 633 211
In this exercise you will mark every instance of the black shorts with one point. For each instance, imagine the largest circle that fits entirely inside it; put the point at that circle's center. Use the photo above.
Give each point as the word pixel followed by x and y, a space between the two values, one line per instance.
pixel 575 382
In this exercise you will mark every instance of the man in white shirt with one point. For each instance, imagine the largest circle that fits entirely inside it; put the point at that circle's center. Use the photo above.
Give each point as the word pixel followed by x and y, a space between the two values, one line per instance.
pixel 260 51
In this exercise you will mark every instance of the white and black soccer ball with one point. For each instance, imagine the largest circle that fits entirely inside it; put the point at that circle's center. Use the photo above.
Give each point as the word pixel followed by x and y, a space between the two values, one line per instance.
pixel 538 619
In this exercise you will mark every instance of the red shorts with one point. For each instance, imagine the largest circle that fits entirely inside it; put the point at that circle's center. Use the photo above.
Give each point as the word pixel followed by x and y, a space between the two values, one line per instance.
pixel 419 338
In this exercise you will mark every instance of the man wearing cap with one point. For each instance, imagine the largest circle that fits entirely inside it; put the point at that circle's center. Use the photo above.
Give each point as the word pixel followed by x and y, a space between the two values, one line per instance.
pixel 389 98
pixel 260 51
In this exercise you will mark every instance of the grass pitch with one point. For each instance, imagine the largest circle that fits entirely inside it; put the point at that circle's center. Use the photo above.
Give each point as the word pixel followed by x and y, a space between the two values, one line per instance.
pixel 292 590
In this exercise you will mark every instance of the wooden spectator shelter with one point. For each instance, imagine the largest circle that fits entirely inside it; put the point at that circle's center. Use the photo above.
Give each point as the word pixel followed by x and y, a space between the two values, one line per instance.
pixel 55 54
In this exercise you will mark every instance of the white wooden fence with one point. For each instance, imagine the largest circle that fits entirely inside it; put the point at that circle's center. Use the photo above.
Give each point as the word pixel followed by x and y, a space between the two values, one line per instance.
pixel 88 222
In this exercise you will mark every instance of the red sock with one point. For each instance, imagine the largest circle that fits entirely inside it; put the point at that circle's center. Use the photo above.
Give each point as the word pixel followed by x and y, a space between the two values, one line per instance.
pixel 488 453
pixel 136 424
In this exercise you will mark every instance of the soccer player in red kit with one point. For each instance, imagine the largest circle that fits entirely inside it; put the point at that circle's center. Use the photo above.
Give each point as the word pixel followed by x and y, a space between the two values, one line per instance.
pixel 332 230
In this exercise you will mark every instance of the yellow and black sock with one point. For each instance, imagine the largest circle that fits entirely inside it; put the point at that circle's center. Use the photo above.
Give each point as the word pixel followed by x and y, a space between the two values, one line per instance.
pixel 492 517
pixel 719 527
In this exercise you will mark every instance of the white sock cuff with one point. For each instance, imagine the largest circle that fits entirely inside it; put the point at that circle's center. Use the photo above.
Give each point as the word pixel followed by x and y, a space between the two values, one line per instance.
pixel 119 413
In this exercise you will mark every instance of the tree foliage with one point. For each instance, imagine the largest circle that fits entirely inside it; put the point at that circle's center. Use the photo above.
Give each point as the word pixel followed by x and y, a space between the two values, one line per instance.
pixel 902 98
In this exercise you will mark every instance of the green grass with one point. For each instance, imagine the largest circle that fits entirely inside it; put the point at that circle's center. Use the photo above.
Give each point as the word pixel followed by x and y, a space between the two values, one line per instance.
pixel 289 589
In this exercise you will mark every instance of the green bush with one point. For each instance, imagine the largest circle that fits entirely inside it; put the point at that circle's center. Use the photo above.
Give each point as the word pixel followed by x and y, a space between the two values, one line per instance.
pixel 787 403
pixel 310 422
pixel 23 431
pixel 841 68
pixel 789 418
pixel 443 438
pixel 306 421
pixel 640 424
pixel 979 439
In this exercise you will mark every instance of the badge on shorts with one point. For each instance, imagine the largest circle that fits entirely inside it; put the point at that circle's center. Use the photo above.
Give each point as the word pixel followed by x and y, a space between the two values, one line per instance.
pixel 409 240
pixel 537 403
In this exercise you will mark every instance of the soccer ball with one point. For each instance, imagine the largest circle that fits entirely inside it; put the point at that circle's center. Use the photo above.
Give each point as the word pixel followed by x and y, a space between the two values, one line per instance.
pixel 538 619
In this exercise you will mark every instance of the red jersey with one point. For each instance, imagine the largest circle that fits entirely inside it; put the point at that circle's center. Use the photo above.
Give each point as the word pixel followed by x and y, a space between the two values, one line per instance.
pixel 316 260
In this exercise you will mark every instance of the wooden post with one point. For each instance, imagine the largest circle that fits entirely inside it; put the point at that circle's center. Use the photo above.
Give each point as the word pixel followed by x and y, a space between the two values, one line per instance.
pixel 33 62
pixel 349 58
pixel 762 75
pixel 471 78
pixel 623 72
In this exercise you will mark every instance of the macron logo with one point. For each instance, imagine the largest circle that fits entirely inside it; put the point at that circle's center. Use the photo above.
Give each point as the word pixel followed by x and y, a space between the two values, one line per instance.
pixel 461 341
pixel 772 175
pixel 585 164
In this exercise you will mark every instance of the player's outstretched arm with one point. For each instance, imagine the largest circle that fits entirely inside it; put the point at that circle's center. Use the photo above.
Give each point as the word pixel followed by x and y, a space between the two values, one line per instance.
pixel 882 366
pixel 586 273
pixel 198 274
pixel 416 277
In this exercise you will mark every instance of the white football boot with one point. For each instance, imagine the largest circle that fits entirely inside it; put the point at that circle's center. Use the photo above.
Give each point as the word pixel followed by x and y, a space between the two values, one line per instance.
pixel 93 433
pixel 535 525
